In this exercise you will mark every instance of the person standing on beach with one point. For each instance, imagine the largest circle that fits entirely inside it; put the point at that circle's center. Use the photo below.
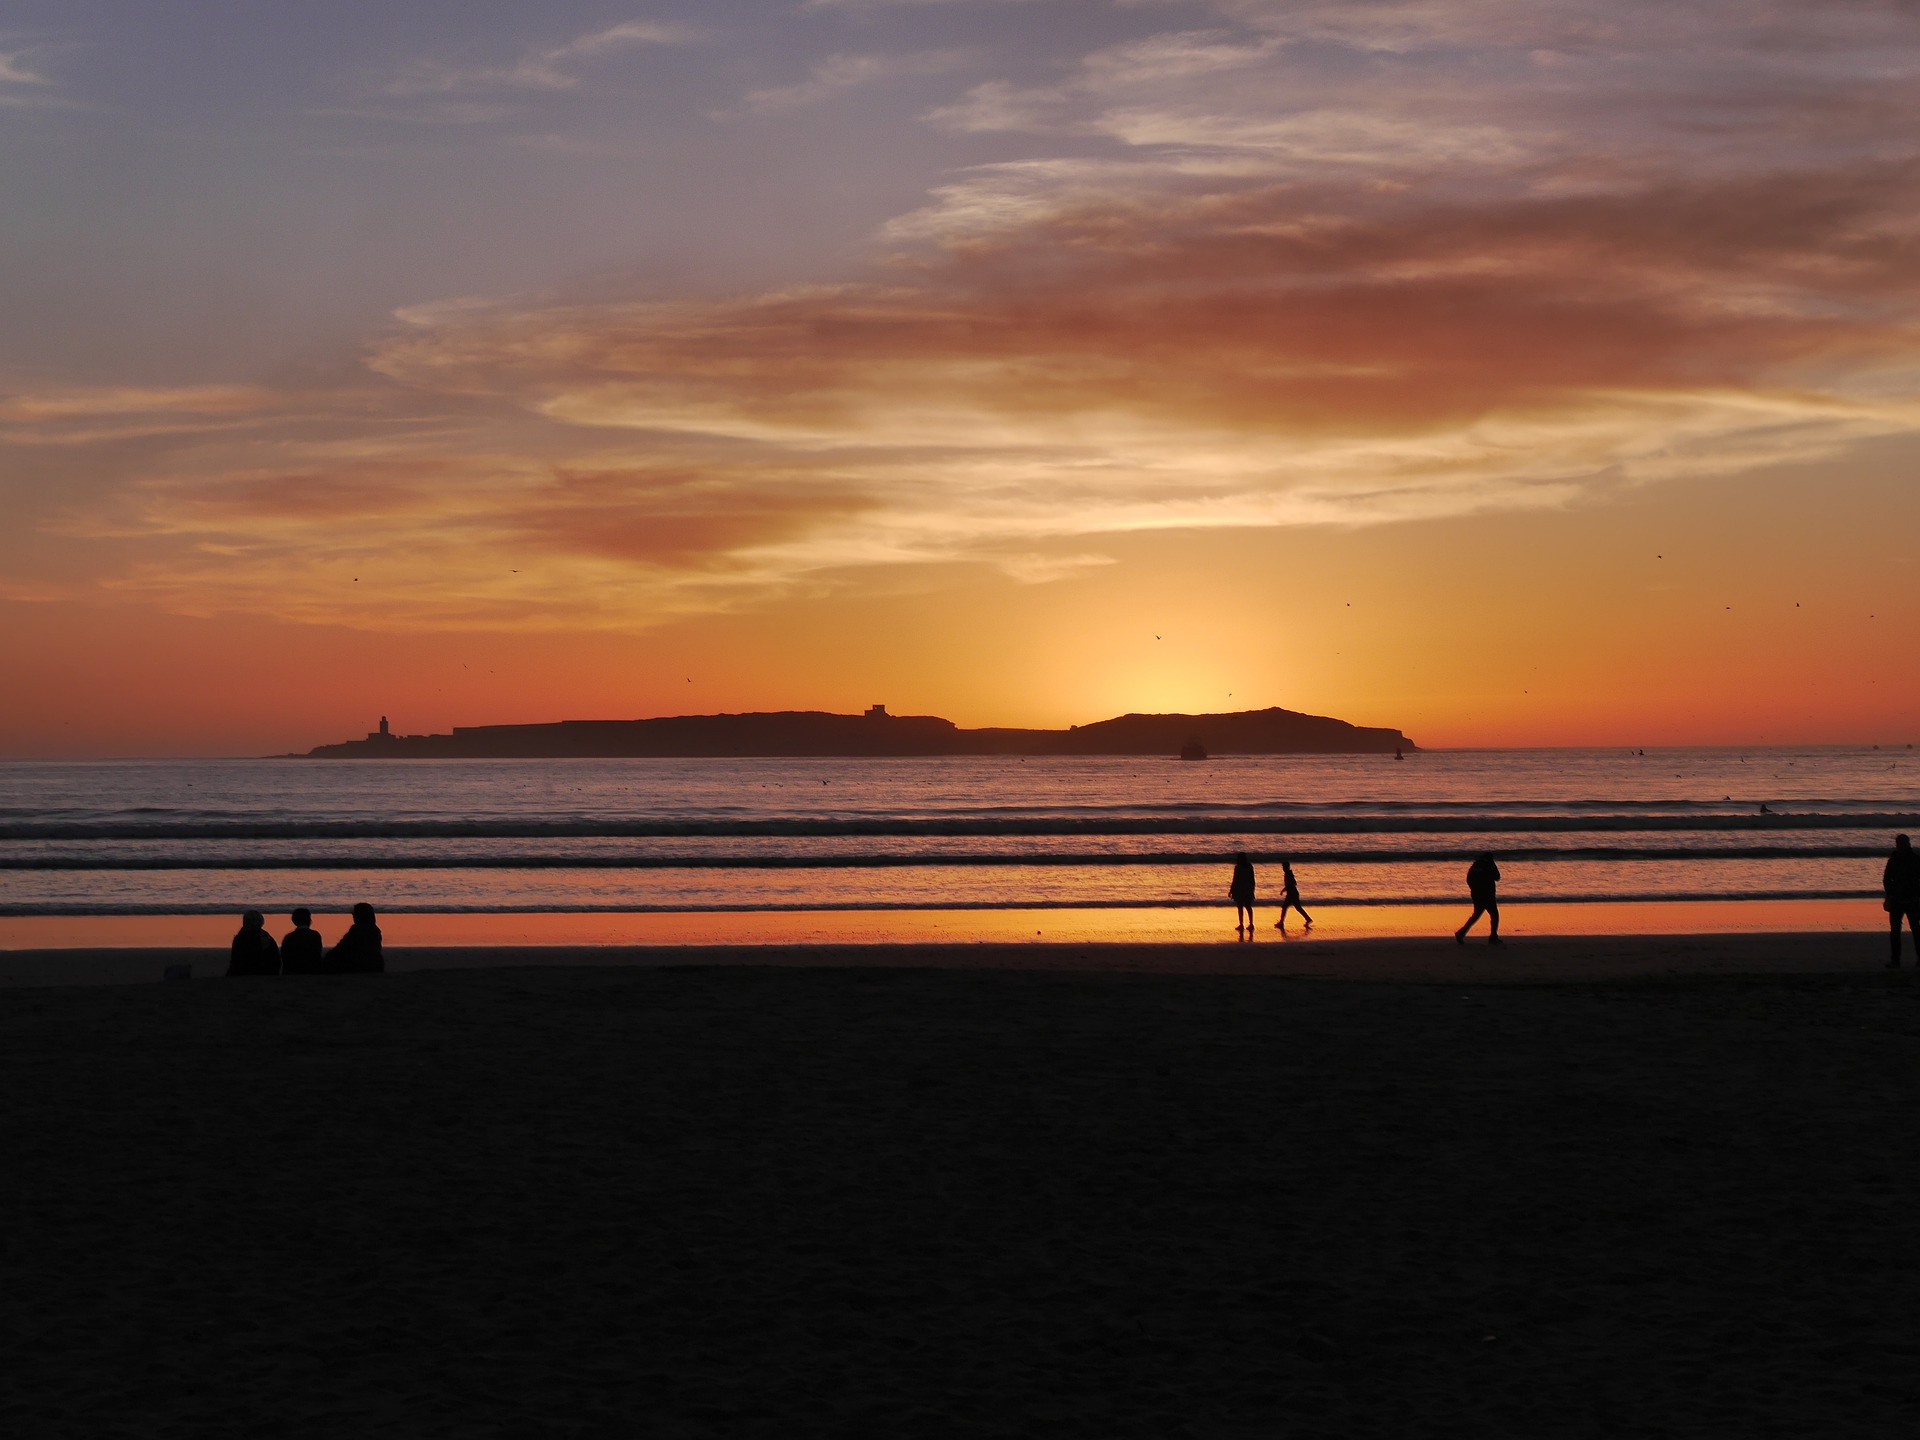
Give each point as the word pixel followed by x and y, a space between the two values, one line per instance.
pixel 254 952
pixel 358 952
pixel 1901 881
pixel 1482 878
pixel 1290 897
pixel 1241 892
pixel 302 952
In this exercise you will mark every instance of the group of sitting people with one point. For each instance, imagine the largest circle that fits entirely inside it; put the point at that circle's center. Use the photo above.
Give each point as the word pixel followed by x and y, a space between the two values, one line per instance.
pixel 302 952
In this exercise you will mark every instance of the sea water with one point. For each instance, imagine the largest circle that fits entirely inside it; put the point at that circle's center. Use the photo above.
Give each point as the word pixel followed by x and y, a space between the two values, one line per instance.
pixel 984 834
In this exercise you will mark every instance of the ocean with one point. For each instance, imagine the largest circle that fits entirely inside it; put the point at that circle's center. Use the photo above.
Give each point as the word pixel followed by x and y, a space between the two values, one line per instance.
pixel 952 835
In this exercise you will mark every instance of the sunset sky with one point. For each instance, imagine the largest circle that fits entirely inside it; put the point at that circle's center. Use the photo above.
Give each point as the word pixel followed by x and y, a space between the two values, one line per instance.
pixel 1507 371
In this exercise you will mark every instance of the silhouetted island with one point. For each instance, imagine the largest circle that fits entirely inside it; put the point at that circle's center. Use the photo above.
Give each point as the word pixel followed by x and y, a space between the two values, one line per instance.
pixel 876 733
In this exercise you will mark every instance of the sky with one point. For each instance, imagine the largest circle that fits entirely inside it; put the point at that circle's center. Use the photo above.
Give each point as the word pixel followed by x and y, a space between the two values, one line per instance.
pixel 1507 371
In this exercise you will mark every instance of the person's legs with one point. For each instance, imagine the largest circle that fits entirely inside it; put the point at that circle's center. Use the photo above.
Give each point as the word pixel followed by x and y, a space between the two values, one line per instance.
pixel 1893 961
pixel 1912 913
pixel 1493 922
pixel 1303 914
pixel 1281 923
pixel 1478 910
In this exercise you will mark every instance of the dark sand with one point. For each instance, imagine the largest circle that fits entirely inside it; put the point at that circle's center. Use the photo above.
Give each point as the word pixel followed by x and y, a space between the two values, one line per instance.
pixel 764 1201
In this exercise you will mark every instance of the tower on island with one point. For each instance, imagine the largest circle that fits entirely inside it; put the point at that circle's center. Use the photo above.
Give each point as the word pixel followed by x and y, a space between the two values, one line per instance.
pixel 877 712
pixel 383 733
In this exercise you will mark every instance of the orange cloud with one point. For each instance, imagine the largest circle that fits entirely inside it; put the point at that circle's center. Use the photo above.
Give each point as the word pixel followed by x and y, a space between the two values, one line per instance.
pixel 686 519
pixel 1367 294
pixel 1244 354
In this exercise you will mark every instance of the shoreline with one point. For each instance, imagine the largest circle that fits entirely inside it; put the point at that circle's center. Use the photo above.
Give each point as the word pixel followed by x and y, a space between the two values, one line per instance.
pixel 1386 960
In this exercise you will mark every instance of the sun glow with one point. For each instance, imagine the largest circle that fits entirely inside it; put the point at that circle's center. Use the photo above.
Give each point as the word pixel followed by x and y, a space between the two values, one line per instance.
pixel 1576 407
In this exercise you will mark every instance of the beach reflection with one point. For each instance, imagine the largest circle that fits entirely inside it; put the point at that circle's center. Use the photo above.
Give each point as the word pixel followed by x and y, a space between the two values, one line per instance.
pixel 1041 927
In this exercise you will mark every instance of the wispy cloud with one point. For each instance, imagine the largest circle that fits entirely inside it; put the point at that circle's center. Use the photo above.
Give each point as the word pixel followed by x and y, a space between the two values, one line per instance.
pixel 900 4
pixel 88 415
pixel 1159 60
pixel 14 71
pixel 840 73
pixel 552 68
pixel 24 87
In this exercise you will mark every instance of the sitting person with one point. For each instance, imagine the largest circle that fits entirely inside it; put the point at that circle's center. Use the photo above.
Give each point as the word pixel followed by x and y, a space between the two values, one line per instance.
pixel 358 952
pixel 254 952
pixel 301 952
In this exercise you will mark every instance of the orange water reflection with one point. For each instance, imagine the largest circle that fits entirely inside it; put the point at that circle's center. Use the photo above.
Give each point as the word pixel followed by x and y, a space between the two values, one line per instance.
pixel 895 927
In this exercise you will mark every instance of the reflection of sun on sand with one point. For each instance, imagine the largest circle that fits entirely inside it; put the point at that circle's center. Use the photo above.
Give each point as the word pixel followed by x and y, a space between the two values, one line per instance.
pixel 1202 925
pixel 725 1201
pixel 1536 960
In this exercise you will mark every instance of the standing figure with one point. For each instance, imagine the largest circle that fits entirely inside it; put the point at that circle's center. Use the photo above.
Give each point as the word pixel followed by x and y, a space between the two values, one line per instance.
pixel 358 952
pixel 1241 892
pixel 254 952
pixel 301 951
pixel 1901 881
pixel 1290 897
pixel 1482 876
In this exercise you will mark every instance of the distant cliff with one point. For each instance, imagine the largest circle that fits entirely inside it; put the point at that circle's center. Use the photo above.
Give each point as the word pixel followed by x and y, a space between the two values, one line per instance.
pixel 818 733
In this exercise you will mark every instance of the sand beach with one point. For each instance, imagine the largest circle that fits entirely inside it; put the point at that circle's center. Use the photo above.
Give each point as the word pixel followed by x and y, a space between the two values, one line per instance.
pixel 1580 1187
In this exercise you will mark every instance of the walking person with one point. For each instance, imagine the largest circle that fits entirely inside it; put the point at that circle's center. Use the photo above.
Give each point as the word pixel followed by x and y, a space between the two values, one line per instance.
pixel 1290 897
pixel 1483 876
pixel 1901 881
pixel 253 952
pixel 1241 893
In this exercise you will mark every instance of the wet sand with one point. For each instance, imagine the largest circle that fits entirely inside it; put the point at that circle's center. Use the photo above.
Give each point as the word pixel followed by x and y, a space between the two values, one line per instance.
pixel 1523 959
pixel 741 1199
pixel 1076 925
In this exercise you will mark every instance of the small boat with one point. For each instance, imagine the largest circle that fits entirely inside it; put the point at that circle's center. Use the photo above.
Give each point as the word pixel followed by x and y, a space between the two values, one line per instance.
pixel 1193 750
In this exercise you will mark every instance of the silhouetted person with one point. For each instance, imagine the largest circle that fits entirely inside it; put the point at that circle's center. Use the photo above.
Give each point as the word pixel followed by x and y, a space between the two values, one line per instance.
pixel 358 952
pixel 1241 892
pixel 301 952
pixel 1290 897
pixel 1901 881
pixel 1482 876
pixel 254 952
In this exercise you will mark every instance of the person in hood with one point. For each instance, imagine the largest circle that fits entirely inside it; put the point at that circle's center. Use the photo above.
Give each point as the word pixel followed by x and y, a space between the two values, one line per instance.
pixel 358 951
pixel 254 952
pixel 1483 876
